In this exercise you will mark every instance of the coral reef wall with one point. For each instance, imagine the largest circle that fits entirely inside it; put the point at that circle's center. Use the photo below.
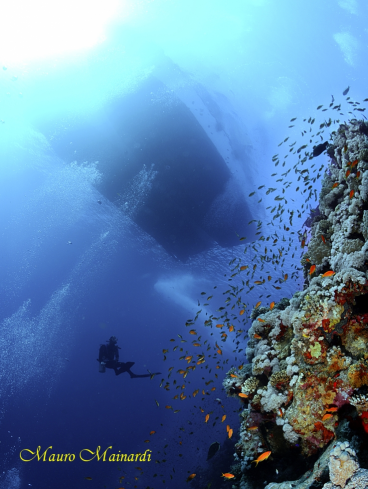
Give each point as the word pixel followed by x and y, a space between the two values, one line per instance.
pixel 309 356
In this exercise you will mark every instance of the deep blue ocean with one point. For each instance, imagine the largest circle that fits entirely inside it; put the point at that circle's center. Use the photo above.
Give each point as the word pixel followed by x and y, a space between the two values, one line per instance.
pixel 132 136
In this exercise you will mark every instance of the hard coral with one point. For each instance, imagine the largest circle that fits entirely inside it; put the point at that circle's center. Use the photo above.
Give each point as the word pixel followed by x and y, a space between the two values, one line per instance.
pixel 250 386
pixel 358 375
pixel 360 401
pixel 309 354
pixel 344 469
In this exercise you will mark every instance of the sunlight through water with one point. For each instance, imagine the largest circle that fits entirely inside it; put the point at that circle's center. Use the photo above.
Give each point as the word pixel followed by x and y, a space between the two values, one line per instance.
pixel 41 29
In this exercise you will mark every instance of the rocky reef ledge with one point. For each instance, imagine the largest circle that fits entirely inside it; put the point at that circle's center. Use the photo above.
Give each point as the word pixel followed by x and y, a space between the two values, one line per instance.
pixel 305 390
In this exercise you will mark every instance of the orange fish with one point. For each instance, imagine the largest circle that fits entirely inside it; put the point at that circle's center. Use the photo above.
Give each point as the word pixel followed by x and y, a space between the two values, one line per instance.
pixel 358 174
pixel 347 173
pixel 328 274
pixel 257 336
pixel 192 331
pixel 195 392
pixel 233 375
pixel 228 476
pixel 335 184
pixel 258 282
pixel 88 478
pixel 227 428
pixel 223 418
pixel 285 276
pixel 262 457
pixel 219 325
pixel 354 163
pixel 261 320
pixel 168 407
pixel 312 268
pixel 345 148
pixel 244 267
pixel 258 304
pixel 191 477
pixel 351 195
pixel 207 418
pixel 327 416
pixel 230 432
pixel 196 344
pixel 219 351
pixel 242 395
pixel 332 410
pixel 146 441
pixel 323 238
pixel 303 243
pixel 252 428
pixel 308 260
pixel 152 432
pixel 231 329
pixel 241 312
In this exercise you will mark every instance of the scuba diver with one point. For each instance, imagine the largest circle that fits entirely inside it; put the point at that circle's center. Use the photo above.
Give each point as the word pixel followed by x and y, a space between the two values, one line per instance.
pixel 109 357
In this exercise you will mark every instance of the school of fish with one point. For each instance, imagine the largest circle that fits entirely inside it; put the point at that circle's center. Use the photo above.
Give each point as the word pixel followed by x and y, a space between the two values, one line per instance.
pixel 259 267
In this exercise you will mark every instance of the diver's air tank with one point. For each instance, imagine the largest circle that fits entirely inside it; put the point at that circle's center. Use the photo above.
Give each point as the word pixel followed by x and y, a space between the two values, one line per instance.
pixel 102 368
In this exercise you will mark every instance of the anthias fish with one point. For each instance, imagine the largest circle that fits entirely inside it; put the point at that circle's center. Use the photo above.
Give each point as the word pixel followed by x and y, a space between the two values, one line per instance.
pixel 262 457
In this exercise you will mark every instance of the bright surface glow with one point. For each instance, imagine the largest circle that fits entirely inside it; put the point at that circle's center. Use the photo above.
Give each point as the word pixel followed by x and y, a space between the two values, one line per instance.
pixel 44 28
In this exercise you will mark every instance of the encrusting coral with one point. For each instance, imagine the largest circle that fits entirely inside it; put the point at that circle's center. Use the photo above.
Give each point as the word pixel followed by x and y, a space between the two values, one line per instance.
pixel 344 471
pixel 310 360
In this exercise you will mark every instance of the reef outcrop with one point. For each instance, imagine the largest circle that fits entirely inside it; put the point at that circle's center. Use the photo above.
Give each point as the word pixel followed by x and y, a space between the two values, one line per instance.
pixel 308 369
pixel 343 467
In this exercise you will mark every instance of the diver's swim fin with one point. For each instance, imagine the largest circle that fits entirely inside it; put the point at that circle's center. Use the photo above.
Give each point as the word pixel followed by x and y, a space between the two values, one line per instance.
pixel 128 365
pixel 134 376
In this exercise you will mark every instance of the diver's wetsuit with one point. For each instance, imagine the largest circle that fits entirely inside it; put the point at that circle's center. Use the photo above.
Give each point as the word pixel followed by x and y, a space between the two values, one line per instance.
pixel 109 354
